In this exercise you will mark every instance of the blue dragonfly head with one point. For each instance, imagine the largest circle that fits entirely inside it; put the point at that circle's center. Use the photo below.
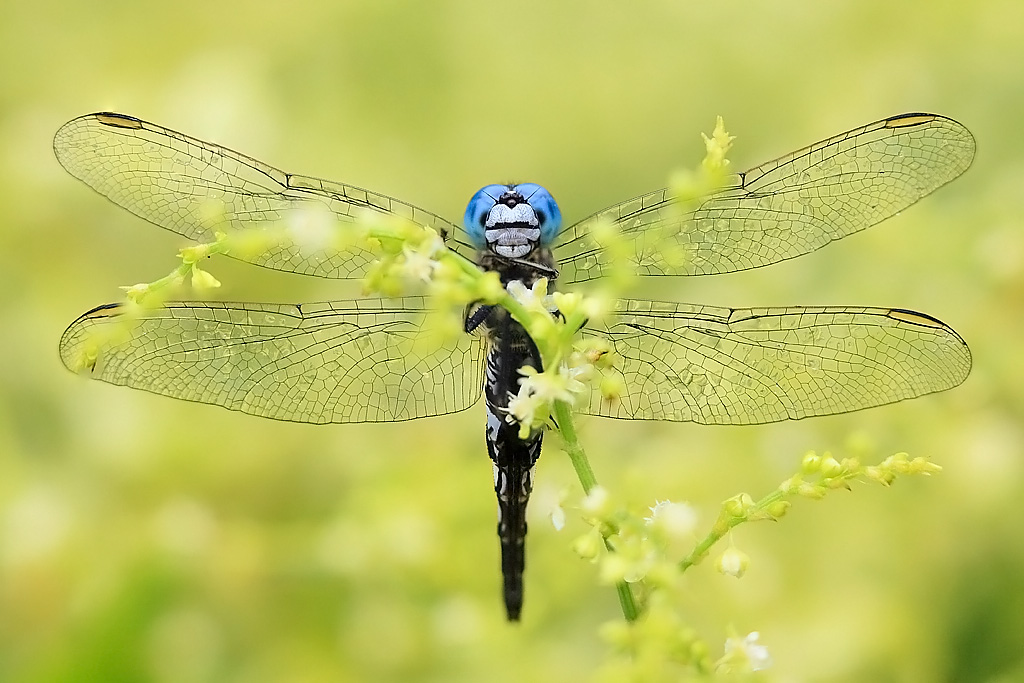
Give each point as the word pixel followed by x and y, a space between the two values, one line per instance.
pixel 512 220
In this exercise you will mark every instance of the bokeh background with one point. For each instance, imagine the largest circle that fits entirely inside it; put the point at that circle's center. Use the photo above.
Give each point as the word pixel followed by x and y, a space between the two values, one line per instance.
pixel 144 539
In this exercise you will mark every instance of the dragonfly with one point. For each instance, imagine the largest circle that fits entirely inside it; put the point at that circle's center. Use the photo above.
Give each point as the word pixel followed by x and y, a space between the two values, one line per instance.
pixel 359 361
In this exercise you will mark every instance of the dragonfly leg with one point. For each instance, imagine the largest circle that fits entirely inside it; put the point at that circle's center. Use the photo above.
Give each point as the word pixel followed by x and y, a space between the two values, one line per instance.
pixel 476 318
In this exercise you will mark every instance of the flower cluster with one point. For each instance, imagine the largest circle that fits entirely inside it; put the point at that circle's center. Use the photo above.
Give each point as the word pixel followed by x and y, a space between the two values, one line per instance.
pixel 820 474
pixel 713 172
pixel 538 391
pixel 408 255
pixel 643 548
pixel 644 552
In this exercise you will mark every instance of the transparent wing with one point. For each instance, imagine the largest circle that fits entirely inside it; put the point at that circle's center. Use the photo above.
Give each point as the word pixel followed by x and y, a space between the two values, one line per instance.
pixel 755 365
pixel 343 361
pixel 197 188
pixel 784 208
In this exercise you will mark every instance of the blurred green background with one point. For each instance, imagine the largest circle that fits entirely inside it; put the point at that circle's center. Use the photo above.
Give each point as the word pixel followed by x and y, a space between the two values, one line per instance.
pixel 144 539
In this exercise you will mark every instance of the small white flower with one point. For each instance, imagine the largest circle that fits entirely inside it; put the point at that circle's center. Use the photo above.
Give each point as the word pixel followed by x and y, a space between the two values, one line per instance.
pixel 560 385
pixel 311 225
pixel 547 503
pixel 536 297
pixel 538 391
pixel 524 408
pixel 519 291
pixel 629 567
pixel 748 648
pixel 558 517
pixel 678 519
pixel 417 265
pixel 432 245
pixel 597 502
pixel 733 562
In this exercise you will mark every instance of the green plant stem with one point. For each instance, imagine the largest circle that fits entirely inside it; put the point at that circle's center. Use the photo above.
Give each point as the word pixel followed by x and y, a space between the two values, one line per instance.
pixel 567 428
pixel 726 523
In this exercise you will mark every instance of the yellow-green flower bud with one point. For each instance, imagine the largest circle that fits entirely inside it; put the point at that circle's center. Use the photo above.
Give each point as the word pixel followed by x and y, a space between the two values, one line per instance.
pixel 717 146
pixel 830 467
pixel 739 505
pixel 203 280
pixel 811 491
pixel 612 385
pixel 811 463
pixel 595 307
pixel 588 546
pixel 923 466
pixel 194 254
pixel 896 462
pixel 614 568
pixel 778 508
pixel 87 356
pixel 136 293
pixel 837 483
pixel 489 288
pixel 792 484
pixel 880 474
pixel 567 302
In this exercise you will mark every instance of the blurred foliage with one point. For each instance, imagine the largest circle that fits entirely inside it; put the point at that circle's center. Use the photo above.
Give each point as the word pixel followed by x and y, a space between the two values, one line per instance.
pixel 148 539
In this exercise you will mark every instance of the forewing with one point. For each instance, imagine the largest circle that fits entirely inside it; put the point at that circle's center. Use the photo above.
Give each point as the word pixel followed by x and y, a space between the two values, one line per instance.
pixel 197 188
pixel 784 208
pixel 343 361
pixel 755 365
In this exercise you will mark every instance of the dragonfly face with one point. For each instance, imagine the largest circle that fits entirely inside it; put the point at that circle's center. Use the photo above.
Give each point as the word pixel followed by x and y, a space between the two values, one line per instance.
pixel 512 220
pixel 362 360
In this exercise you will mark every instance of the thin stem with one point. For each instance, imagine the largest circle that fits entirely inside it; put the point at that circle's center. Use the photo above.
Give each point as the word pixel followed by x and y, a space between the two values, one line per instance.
pixel 627 601
pixel 702 548
pixel 725 523
pixel 551 354
pixel 573 447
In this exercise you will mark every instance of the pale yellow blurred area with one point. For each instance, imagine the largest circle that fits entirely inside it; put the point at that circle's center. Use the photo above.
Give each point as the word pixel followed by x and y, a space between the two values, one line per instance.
pixel 146 539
